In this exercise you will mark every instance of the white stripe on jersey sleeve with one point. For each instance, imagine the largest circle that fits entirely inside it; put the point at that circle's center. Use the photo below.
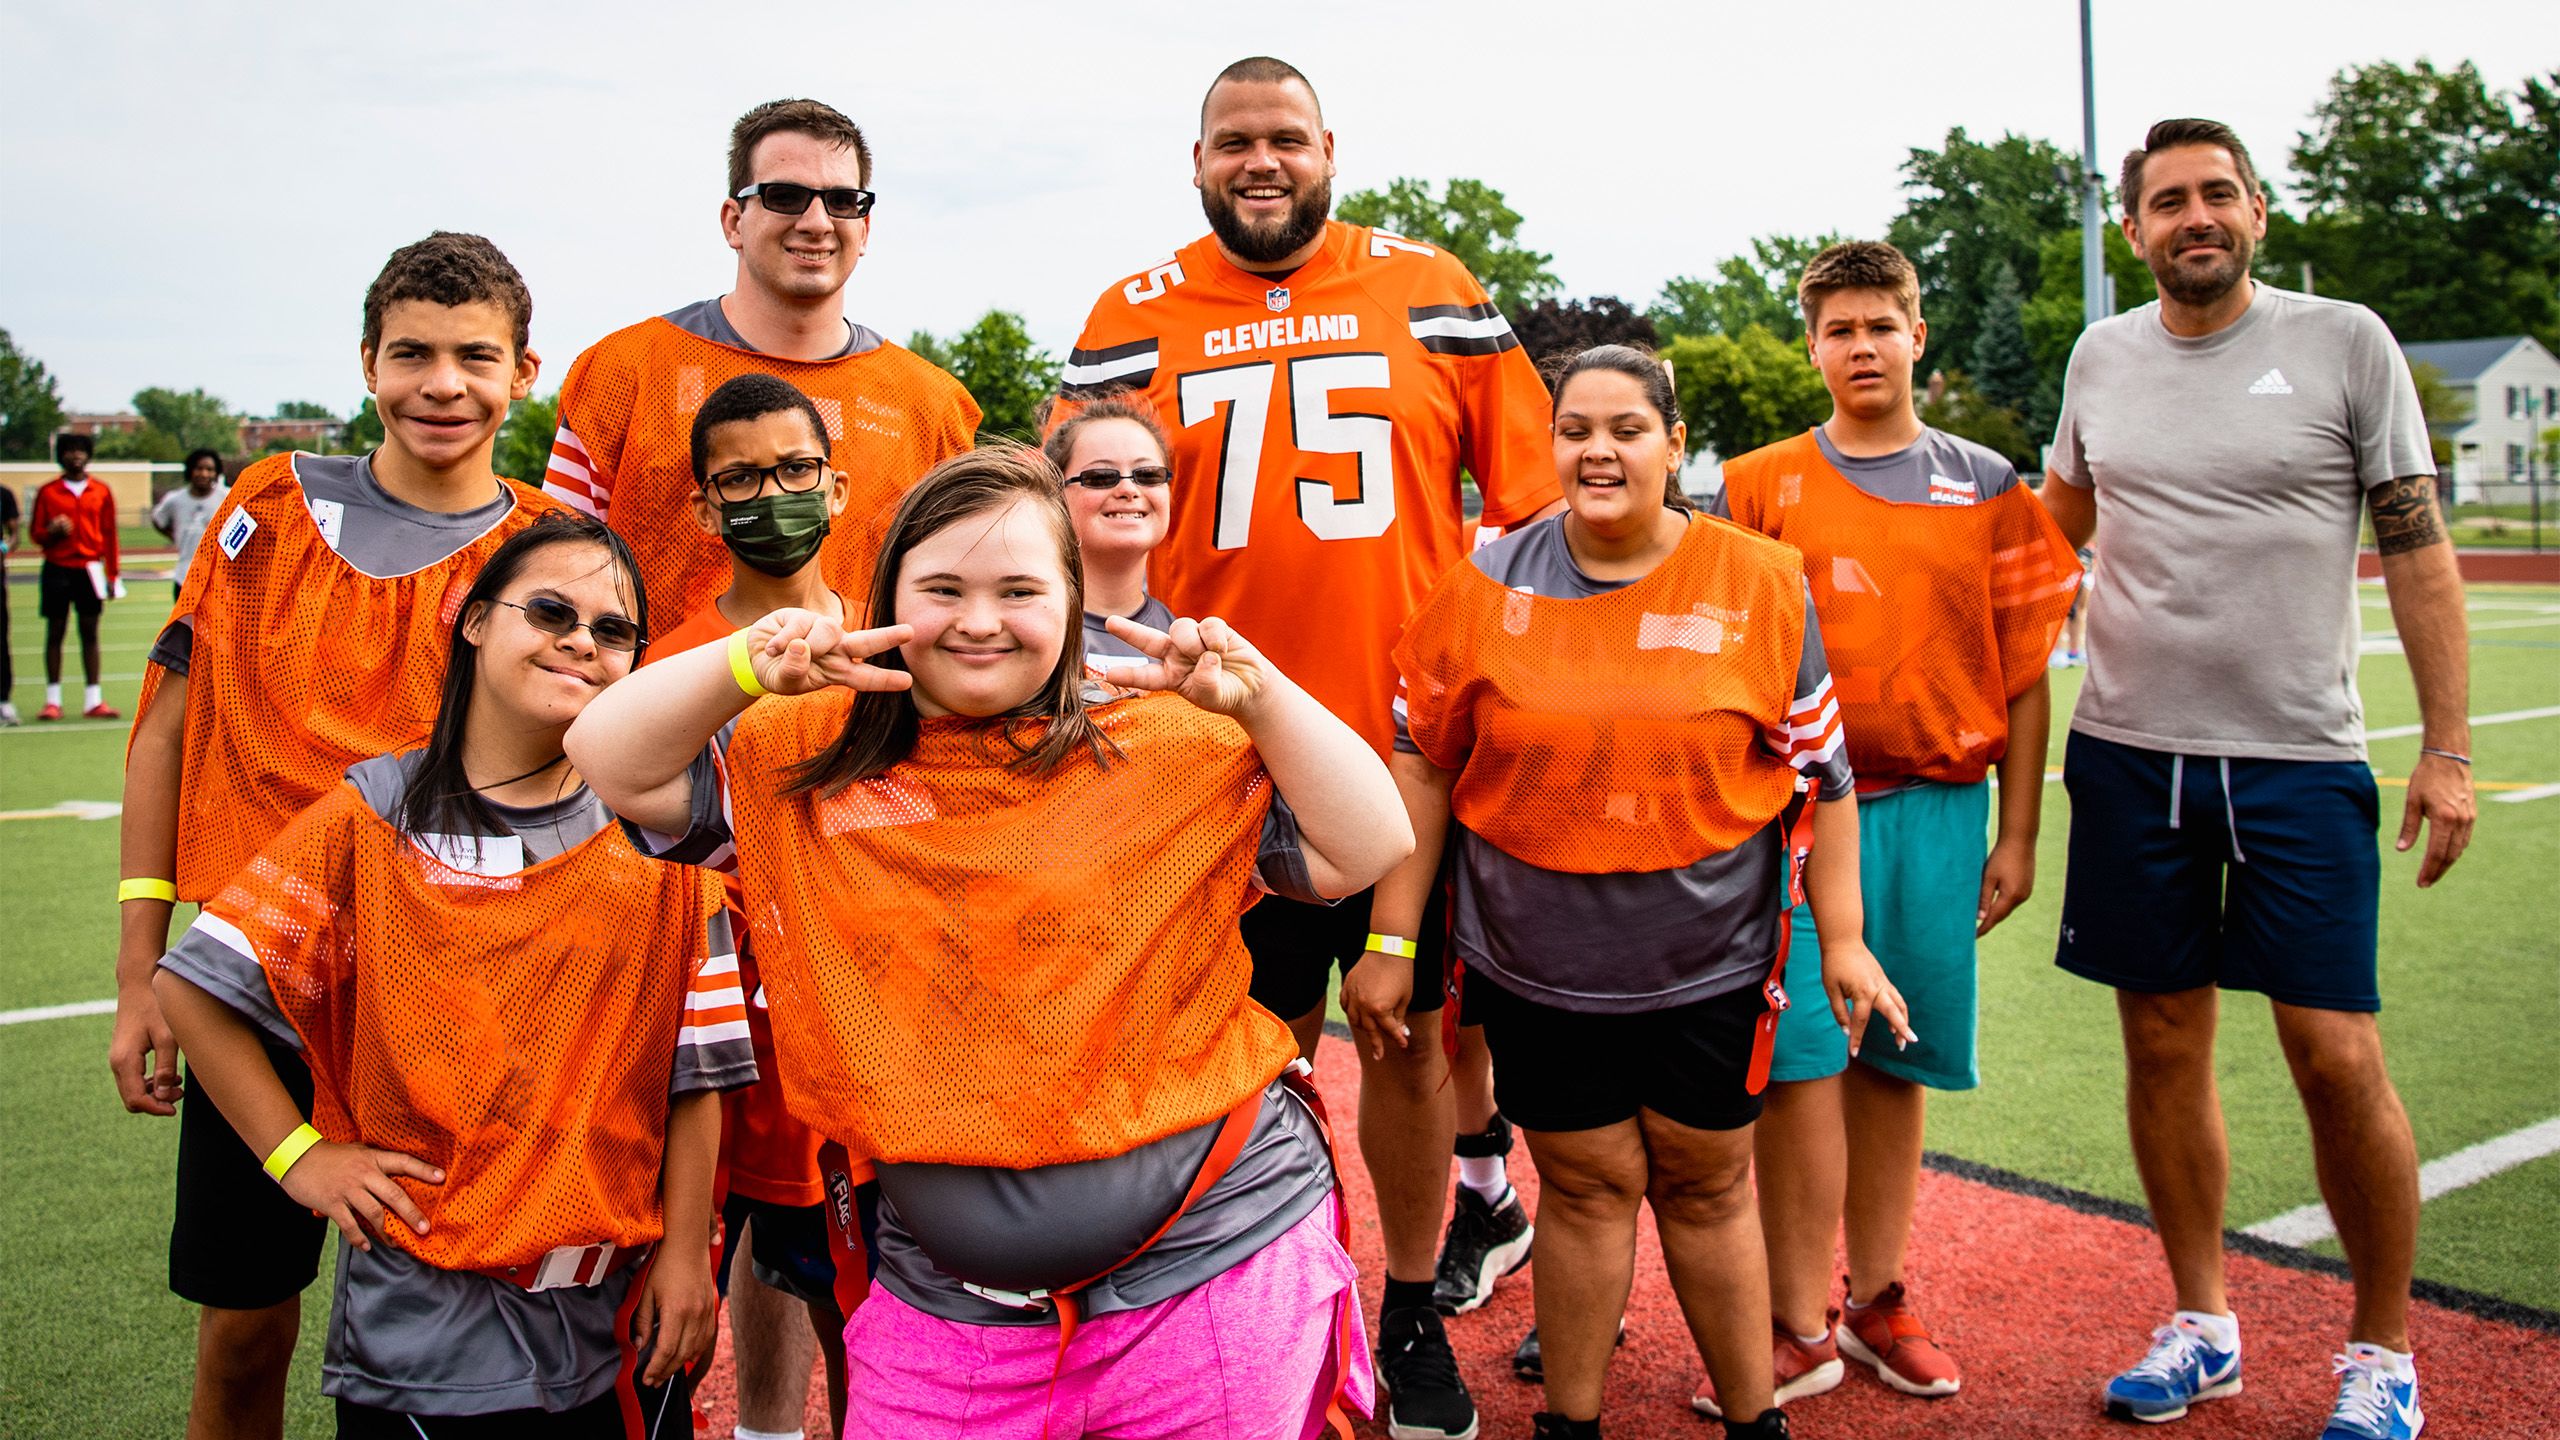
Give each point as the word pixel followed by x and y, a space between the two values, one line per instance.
pixel 1109 370
pixel 1459 327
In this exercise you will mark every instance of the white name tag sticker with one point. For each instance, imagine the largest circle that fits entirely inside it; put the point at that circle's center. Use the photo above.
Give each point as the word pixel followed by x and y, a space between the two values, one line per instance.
pixel 493 855
pixel 331 517
pixel 236 532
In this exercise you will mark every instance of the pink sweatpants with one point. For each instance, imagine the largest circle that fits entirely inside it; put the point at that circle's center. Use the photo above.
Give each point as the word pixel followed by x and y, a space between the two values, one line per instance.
pixel 1247 1356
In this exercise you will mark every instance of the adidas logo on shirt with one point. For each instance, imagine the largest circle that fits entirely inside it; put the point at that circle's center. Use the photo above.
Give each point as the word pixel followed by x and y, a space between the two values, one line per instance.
pixel 2271 383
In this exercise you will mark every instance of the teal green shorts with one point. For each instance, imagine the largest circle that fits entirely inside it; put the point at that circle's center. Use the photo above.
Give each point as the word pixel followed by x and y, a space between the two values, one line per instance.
pixel 1920 856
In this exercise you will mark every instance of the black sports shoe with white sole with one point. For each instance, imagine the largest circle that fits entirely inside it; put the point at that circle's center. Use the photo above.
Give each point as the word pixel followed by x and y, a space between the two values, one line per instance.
pixel 1425 1398
pixel 1483 1244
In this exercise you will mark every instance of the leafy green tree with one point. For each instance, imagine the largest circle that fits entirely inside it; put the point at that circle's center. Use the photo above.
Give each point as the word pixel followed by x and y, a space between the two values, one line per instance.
pixel 1747 290
pixel 190 419
pixel 1566 327
pixel 2002 368
pixel 2052 318
pixel 1971 207
pixel 1009 377
pixel 364 428
pixel 2445 408
pixel 1740 392
pixel 1469 220
pixel 30 404
pixel 2432 199
pixel 304 410
pixel 147 443
pixel 524 438
pixel 1955 406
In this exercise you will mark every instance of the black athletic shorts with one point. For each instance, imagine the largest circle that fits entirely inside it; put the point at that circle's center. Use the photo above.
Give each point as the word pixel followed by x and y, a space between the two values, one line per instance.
pixel 61 589
pixel 1560 1070
pixel 786 1246
pixel 238 1241
pixel 1296 946
pixel 666 1413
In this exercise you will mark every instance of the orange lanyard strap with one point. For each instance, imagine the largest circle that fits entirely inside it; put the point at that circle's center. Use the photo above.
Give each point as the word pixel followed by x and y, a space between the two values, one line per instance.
pixel 1796 825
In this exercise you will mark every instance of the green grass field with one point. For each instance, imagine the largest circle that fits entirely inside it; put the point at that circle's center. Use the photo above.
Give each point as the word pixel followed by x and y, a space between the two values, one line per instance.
pixel 91 1342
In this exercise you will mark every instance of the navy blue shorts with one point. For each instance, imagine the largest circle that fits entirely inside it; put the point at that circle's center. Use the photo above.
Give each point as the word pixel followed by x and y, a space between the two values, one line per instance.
pixel 786 1246
pixel 2190 870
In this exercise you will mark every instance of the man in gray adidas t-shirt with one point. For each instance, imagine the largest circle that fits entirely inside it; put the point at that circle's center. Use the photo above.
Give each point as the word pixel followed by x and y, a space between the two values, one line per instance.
pixel 2228 438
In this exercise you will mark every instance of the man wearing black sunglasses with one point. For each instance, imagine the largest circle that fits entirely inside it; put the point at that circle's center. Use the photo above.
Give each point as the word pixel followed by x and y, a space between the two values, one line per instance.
pixel 797 209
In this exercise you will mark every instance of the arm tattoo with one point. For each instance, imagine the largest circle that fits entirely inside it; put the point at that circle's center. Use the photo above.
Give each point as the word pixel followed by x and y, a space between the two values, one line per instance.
pixel 2404 514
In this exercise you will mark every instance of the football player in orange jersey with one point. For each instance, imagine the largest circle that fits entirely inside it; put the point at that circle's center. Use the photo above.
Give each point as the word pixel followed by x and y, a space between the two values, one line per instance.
pixel 1941 583
pixel 798 212
pixel 759 452
pixel 1327 386
pixel 308 637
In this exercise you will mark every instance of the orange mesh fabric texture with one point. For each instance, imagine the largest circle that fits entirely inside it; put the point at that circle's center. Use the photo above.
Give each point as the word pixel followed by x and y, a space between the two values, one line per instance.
pixel 519 1031
pixel 1933 616
pixel 624 451
pixel 302 666
pixel 1619 732
pixel 1009 970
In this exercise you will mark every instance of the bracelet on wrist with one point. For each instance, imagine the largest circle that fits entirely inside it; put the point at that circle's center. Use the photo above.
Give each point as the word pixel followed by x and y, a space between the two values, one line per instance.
pixel 2462 760
pixel 295 1145
pixel 146 889
pixel 743 669
pixel 1395 945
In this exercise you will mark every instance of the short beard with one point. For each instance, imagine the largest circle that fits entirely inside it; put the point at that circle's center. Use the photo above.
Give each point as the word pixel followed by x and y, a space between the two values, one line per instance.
pixel 2205 287
pixel 1269 244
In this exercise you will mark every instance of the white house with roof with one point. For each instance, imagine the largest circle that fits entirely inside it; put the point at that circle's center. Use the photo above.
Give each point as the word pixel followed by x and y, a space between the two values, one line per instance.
pixel 2513 386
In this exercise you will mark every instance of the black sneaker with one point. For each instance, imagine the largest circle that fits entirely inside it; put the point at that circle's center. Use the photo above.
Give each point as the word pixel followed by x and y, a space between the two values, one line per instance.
pixel 1483 1245
pixel 1547 1425
pixel 1772 1425
pixel 1425 1398
pixel 1529 1362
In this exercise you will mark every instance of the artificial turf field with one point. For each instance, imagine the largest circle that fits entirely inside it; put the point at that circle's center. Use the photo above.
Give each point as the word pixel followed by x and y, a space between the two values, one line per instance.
pixel 2039 1287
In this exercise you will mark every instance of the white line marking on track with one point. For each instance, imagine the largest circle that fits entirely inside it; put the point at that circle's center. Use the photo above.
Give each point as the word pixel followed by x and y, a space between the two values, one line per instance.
pixel 64 727
pixel 2310 1224
pixel 2503 717
pixel 58 1012
pixel 2518 797
pixel 68 810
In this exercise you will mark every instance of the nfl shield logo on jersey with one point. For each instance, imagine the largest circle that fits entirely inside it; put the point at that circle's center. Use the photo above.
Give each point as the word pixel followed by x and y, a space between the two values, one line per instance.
pixel 1277 297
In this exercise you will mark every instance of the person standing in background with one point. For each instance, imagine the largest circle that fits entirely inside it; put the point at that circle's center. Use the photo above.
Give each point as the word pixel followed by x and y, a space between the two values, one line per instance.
pixel 183 513
pixel 8 542
pixel 74 519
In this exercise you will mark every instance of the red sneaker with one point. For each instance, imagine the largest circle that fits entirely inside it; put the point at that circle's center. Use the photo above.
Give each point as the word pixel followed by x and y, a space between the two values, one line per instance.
pixel 1885 1335
pixel 50 712
pixel 1800 1369
pixel 103 711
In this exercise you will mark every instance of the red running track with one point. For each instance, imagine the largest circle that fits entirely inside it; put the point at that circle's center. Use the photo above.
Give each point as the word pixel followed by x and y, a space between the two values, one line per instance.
pixel 2038 1303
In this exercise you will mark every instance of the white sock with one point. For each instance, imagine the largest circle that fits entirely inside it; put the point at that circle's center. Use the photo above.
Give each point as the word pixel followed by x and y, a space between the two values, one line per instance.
pixel 53 694
pixel 93 696
pixel 744 1433
pixel 1816 1338
pixel 2400 1365
pixel 1484 1175
pixel 2221 1331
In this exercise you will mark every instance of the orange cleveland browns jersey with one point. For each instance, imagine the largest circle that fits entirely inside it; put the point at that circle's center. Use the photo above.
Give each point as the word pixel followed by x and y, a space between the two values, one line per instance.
pixel 302 665
pixel 1320 426
pixel 624 452
pixel 1934 615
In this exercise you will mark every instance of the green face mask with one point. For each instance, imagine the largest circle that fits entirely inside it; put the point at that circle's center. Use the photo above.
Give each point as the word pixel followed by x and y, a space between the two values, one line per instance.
pixel 776 534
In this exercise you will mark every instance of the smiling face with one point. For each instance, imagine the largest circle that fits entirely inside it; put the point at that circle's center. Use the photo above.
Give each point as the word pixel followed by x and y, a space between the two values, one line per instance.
pixel 1264 165
pixel 2197 223
pixel 1865 346
pixel 989 598
pixel 202 474
pixel 803 257
pixel 532 680
pixel 1129 518
pixel 1613 457
pixel 442 379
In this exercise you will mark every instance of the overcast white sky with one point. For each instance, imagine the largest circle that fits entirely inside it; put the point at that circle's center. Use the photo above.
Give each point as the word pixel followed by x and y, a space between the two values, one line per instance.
pixel 197 194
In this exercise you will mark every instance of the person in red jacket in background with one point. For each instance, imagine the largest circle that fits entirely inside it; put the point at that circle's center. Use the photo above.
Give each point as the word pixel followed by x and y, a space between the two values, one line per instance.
pixel 74 519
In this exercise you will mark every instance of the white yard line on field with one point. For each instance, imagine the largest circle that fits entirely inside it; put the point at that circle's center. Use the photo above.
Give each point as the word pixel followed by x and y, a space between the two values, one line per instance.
pixel 2310 1224
pixel 57 1012
pixel 2503 717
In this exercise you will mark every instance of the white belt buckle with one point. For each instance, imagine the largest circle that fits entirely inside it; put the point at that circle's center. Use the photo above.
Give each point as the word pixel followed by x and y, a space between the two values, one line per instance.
pixel 572 1266
pixel 1010 1299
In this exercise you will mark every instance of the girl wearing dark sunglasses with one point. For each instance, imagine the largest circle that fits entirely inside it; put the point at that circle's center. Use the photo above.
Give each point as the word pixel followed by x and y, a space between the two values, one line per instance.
pixel 517 1027
pixel 1119 493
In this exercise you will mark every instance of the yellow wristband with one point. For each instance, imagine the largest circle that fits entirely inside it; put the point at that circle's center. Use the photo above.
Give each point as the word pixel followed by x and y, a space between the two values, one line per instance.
pixel 302 1138
pixel 146 890
pixel 1395 945
pixel 743 668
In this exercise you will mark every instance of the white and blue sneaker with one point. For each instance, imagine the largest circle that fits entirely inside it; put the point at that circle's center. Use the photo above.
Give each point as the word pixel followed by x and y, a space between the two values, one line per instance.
pixel 2182 1368
pixel 2377 1397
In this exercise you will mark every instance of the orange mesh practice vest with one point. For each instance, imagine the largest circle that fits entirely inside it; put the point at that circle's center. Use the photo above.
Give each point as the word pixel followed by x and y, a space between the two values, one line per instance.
pixel 1934 616
pixel 518 1031
pixel 302 666
pixel 625 448
pixel 990 968
pixel 1620 732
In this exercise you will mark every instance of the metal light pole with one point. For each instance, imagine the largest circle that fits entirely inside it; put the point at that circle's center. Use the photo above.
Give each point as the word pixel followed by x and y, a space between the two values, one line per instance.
pixel 2094 305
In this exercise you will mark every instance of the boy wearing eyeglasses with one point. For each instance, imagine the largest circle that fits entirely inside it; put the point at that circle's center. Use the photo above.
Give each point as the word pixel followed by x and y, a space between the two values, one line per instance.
pixel 309 636
pixel 797 210
pixel 764 490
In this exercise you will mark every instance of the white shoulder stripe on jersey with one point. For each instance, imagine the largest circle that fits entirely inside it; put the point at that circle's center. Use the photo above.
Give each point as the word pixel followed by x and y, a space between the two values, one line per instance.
pixel 217 928
pixel 711 1034
pixel 720 965
pixel 714 999
pixel 1107 371
pixel 1459 327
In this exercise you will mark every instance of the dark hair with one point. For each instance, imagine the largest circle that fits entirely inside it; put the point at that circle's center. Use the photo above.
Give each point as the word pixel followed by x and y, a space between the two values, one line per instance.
pixel 201 454
pixel 439 798
pixel 751 397
pixel 814 118
pixel 1127 405
pixel 2169 135
pixel 449 268
pixel 70 440
pixel 1858 265
pixel 882 727
pixel 1258 70
pixel 1637 363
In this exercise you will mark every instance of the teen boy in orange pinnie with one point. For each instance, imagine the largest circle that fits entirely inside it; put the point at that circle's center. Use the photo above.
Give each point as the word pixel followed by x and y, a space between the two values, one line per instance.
pixel 311 634
pixel 1941 584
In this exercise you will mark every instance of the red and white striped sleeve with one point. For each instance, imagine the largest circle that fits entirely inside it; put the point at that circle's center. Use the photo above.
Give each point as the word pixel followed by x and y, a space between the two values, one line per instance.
pixel 589 440
pixel 714 1048
pixel 576 478
pixel 1812 739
